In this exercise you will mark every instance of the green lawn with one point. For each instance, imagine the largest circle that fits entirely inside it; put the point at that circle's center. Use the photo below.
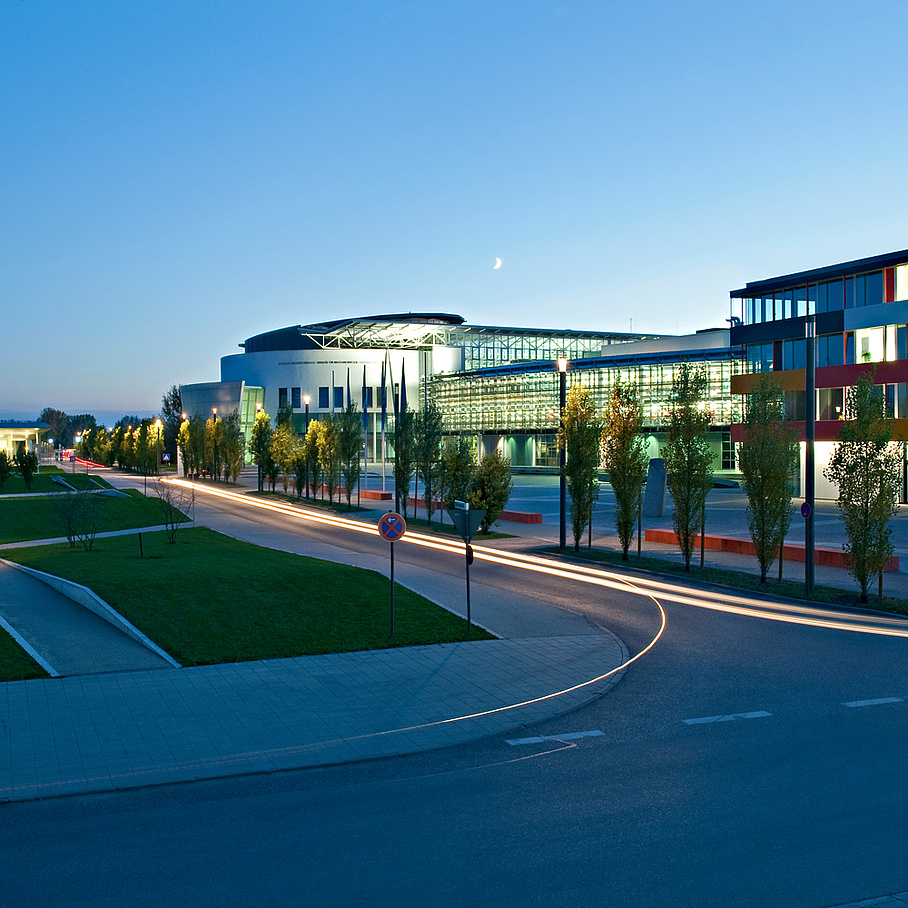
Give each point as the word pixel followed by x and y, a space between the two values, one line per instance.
pixel 15 663
pixel 210 599
pixel 22 519
pixel 43 482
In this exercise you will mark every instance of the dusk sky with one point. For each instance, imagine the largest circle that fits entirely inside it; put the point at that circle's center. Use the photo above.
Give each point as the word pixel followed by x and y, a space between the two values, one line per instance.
pixel 179 176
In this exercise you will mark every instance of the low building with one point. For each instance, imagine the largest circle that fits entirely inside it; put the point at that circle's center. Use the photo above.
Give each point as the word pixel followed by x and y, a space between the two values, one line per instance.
pixel 496 385
pixel 21 435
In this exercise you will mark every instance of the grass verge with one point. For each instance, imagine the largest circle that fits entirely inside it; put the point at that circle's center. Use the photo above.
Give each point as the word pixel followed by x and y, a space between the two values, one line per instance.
pixel 23 519
pixel 44 482
pixel 210 599
pixel 742 580
pixel 15 663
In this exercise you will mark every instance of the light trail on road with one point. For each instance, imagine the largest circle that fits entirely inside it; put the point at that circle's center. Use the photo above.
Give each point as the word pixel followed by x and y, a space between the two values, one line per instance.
pixel 729 602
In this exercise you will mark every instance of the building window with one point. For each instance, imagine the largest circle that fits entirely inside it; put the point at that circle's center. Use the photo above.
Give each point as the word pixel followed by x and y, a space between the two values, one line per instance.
pixel 295 398
pixel 323 398
pixel 281 398
pixel 795 405
pixel 338 398
pixel 368 397
pixel 831 403
pixel 728 452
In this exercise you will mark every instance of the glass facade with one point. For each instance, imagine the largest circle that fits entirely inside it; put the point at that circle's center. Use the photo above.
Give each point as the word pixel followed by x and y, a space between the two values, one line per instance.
pixel 524 404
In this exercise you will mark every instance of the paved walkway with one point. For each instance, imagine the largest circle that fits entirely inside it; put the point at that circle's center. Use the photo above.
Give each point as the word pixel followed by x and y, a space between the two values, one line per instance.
pixel 897 900
pixel 103 731
pixel 63 637
pixel 110 731
pixel 115 729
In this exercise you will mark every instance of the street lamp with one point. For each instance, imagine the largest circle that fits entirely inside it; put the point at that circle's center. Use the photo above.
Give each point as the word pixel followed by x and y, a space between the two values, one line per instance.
pixel 306 399
pixel 214 444
pixel 562 501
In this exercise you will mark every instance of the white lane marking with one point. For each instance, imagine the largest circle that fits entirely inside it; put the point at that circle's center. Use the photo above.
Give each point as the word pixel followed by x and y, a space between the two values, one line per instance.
pixel 703 720
pixel 855 703
pixel 570 736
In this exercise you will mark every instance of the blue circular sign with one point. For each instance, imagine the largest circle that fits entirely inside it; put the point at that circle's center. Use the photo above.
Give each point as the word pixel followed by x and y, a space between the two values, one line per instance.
pixel 805 510
pixel 392 527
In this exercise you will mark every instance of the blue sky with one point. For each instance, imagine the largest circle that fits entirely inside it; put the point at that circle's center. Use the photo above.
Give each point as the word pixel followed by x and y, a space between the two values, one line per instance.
pixel 175 177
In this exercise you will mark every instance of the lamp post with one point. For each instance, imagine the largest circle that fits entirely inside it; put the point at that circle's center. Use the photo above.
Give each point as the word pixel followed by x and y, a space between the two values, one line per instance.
pixel 562 501
pixel 306 399
pixel 258 457
pixel 809 455
pixel 216 467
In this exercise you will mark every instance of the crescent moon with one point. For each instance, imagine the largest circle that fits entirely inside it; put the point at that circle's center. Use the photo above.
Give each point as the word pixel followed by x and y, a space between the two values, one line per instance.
pixel 497 264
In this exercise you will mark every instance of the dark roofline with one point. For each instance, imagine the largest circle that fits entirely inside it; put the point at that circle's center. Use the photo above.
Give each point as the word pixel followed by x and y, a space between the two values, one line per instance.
pixel 432 318
pixel 830 272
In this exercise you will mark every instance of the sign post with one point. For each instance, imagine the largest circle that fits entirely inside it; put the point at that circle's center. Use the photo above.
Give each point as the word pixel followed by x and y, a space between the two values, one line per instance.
pixel 466 522
pixel 392 527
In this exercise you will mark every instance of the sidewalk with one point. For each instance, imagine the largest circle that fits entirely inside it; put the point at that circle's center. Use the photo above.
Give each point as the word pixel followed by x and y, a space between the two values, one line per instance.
pixel 107 731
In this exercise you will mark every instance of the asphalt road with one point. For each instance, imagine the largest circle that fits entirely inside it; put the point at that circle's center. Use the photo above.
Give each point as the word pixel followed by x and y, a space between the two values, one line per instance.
pixel 799 801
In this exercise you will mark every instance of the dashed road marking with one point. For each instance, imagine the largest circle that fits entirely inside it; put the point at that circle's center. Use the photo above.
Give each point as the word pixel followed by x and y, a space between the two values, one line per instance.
pixel 703 720
pixel 569 736
pixel 856 703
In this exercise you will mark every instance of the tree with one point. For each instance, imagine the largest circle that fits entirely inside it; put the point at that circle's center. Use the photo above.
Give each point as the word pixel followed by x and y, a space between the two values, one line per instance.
pixel 311 446
pixel 81 515
pixel 767 458
pixel 688 461
pixel 865 467
pixel 172 418
pixel 78 425
pixel 625 458
pixel 175 501
pixel 259 443
pixel 329 456
pixel 579 433
pixel 232 442
pixel 427 451
pixel 27 462
pixel 284 451
pixel 458 468
pixel 192 443
pixel 6 467
pixel 404 456
pixel 144 448
pixel 492 485
pixel 350 440
pixel 213 446
pixel 59 426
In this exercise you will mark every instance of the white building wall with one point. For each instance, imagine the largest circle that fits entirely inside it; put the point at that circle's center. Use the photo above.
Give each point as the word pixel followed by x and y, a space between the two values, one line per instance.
pixel 310 370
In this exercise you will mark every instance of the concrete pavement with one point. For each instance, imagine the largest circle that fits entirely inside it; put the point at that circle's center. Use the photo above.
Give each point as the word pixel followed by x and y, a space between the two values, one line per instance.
pixel 120 729
pixel 105 731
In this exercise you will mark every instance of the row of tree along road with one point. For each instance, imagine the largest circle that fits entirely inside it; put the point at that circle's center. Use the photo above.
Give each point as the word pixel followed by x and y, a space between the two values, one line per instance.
pixel 865 467
pixel 327 458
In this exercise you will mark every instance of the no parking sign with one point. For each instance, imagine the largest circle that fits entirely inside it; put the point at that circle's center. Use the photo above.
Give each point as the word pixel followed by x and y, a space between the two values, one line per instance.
pixel 392 526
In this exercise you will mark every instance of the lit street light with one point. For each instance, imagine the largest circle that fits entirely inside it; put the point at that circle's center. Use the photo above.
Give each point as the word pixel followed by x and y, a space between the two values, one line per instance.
pixel 562 502
pixel 306 399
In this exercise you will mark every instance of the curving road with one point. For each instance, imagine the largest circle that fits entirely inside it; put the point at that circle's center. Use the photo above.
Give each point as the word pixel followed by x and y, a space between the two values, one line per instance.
pixel 754 756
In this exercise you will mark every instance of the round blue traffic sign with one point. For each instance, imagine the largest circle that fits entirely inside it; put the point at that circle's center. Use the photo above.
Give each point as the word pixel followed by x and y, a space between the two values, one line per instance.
pixel 392 527
pixel 805 510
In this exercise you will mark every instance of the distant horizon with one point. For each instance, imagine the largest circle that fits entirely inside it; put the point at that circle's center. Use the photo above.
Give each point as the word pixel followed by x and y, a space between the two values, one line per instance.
pixel 104 417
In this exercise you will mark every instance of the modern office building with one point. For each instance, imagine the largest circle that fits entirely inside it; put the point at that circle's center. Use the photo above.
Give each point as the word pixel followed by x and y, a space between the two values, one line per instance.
pixel 496 385
pixel 860 309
